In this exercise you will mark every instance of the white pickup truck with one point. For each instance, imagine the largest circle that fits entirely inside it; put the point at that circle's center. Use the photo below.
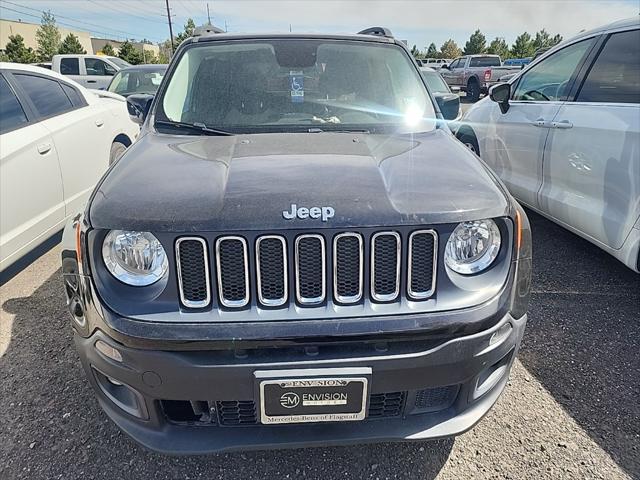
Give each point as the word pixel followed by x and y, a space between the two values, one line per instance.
pixel 90 71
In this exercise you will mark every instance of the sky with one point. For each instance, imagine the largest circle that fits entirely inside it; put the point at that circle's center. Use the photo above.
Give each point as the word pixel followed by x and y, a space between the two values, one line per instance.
pixel 419 22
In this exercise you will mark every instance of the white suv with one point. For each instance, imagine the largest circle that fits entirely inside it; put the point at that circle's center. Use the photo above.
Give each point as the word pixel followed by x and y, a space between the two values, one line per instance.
pixel 564 136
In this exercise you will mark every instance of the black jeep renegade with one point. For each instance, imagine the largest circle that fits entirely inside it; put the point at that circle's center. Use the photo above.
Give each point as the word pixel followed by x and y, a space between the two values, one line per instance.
pixel 296 251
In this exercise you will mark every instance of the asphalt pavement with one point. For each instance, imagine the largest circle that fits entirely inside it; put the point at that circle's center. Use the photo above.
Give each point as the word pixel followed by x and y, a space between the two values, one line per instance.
pixel 570 410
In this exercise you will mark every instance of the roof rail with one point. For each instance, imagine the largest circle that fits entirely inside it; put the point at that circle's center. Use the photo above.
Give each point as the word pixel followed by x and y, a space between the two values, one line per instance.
pixel 377 31
pixel 206 29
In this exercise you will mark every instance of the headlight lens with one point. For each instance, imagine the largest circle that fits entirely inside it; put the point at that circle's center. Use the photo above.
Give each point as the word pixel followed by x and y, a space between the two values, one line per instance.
pixel 134 258
pixel 472 246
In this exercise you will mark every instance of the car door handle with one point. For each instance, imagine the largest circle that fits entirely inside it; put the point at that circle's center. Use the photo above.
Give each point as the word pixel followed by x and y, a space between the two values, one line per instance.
pixel 99 123
pixel 562 124
pixel 44 148
pixel 541 122
pixel 92 81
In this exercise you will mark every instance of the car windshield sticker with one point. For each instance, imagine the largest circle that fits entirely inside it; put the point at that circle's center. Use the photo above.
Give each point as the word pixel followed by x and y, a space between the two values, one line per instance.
pixel 296 82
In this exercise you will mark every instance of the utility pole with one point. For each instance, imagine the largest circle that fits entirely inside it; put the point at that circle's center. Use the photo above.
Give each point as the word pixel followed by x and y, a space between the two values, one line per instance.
pixel 170 27
pixel 208 14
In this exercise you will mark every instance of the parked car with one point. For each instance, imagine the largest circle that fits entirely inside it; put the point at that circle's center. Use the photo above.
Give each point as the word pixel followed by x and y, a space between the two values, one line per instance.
pixel 57 141
pixel 435 63
pixel 90 71
pixel 564 136
pixel 296 252
pixel 474 74
pixel 138 79
pixel 448 101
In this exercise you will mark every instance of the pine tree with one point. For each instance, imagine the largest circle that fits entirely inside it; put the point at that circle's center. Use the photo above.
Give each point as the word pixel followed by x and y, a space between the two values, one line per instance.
pixel 477 43
pixel 189 27
pixel 16 51
pixel 450 49
pixel 71 44
pixel 499 47
pixel 522 47
pixel 129 54
pixel 108 50
pixel 48 37
pixel 415 52
pixel 432 51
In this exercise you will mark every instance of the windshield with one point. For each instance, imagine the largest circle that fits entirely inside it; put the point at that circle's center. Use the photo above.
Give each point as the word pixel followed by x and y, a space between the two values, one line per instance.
pixel 119 62
pixel 297 84
pixel 136 81
pixel 435 82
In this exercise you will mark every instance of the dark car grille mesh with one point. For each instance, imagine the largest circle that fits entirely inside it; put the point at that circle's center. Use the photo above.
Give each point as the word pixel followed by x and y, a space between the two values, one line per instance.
pixel 231 258
pixel 310 269
pixel 272 275
pixel 193 272
pixel 348 281
pixel 385 267
pixel 236 412
pixel 386 404
pixel 335 263
pixel 422 245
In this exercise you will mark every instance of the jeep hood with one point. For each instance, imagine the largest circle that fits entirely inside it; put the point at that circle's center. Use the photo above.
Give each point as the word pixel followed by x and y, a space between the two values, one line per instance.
pixel 245 182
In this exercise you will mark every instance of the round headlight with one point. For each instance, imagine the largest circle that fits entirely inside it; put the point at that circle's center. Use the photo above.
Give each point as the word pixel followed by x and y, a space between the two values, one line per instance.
pixel 134 258
pixel 472 246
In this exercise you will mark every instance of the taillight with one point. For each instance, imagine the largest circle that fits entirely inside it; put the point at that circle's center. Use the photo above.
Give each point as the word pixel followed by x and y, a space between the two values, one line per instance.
pixel 487 75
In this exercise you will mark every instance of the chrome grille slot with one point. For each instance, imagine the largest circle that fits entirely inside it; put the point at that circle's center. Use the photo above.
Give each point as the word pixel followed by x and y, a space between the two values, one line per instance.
pixel 311 275
pixel 271 270
pixel 232 271
pixel 423 253
pixel 348 267
pixel 192 263
pixel 385 266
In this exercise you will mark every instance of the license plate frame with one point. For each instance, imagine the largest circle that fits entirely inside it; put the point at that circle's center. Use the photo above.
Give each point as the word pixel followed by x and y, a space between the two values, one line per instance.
pixel 313 396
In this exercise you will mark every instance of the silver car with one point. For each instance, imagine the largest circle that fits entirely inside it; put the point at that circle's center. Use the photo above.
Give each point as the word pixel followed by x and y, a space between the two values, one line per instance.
pixel 564 136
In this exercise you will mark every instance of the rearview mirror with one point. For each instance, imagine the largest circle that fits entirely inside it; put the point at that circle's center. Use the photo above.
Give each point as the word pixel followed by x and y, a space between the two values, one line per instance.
pixel 138 106
pixel 501 93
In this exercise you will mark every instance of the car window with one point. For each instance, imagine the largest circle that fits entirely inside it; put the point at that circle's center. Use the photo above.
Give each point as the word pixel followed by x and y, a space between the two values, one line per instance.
pixel 454 64
pixel 76 99
pixel 98 67
pixel 119 62
pixel 615 75
pixel 435 82
pixel 70 66
pixel 549 80
pixel 11 113
pixel 484 62
pixel 46 94
pixel 128 82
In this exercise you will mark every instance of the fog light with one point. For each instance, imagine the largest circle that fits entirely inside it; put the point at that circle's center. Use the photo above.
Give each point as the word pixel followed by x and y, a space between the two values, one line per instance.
pixel 501 333
pixel 108 351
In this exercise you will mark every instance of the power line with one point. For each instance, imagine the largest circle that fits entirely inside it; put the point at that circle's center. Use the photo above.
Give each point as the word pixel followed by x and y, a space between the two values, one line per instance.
pixel 138 17
pixel 74 20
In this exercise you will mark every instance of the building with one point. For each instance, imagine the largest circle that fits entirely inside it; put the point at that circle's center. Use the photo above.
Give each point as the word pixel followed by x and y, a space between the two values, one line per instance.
pixel 28 32
pixel 91 44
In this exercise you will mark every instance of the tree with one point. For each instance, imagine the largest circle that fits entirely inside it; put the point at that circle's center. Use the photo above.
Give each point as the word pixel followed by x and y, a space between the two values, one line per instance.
pixel 189 27
pixel 556 40
pixel 48 37
pixel 450 49
pixel 432 51
pixel 129 54
pixel 477 43
pixel 415 52
pixel 542 40
pixel 108 50
pixel 16 51
pixel 522 47
pixel 499 47
pixel 71 44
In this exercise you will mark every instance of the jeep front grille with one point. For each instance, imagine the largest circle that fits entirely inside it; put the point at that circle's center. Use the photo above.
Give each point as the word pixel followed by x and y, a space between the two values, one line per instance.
pixel 232 271
pixel 341 267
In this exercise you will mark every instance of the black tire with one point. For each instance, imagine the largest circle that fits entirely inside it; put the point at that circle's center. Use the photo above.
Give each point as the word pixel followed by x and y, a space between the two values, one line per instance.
pixel 469 140
pixel 473 90
pixel 117 149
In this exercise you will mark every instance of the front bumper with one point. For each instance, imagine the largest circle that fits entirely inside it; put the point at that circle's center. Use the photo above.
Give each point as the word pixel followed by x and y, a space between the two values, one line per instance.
pixel 460 378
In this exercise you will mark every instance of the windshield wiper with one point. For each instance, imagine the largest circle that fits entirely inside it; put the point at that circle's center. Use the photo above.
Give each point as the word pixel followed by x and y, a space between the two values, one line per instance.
pixel 195 127
pixel 338 130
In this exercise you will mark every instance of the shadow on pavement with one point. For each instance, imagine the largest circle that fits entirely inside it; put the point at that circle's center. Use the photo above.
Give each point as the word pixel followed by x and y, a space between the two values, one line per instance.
pixel 51 425
pixel 583 338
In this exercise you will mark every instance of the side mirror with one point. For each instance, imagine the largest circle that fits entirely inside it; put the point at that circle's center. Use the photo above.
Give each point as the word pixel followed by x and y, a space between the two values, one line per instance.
pixel 501 93
pixel 449 105
pixel 138 106
pixel 444 65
